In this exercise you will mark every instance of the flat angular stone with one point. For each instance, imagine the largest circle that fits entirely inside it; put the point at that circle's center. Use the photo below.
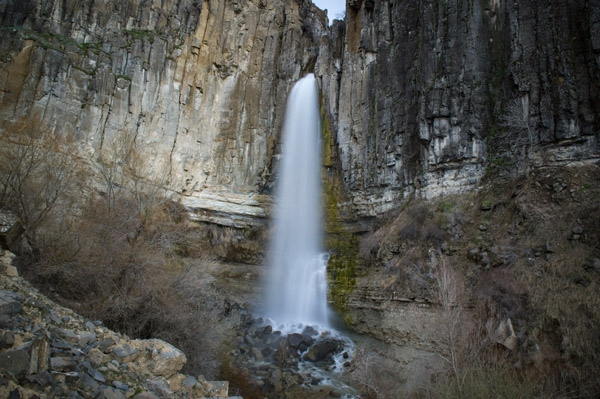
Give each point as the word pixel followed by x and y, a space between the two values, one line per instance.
pixel 10 303
pixel 15 361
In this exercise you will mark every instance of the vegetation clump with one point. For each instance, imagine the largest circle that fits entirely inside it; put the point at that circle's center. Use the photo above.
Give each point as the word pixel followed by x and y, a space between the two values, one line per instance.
pixel 106 241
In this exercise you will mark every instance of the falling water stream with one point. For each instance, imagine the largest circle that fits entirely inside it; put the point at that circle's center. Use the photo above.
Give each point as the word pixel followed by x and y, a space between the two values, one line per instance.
pixel 297 293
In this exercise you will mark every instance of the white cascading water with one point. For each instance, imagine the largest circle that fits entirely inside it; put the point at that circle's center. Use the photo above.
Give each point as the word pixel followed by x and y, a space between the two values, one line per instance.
pixel 297 288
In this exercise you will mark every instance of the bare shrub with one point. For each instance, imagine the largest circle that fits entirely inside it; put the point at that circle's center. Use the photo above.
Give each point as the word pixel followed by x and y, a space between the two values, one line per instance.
pixel 111 246
pixel 498 294
pixel 434 234
pixel 38 178
pixel 519 141
pixel 373 373
pixel 485 383
pixel 453 328
pixel 410 232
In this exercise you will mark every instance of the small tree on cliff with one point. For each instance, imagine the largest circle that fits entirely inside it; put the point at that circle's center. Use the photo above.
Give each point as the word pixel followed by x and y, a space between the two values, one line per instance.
pixel 450 295
pixel 519 124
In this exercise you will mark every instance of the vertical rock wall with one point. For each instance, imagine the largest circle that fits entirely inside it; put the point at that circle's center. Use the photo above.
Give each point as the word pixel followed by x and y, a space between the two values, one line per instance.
pixel 200 86
pixel 416 91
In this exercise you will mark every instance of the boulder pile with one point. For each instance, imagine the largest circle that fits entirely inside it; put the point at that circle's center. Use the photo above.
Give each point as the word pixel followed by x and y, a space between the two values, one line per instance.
pixel 309 357
pixel 49 351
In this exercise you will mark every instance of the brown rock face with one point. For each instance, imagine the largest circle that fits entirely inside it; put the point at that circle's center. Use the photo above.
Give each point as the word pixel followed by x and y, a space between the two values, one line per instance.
pixel 199 85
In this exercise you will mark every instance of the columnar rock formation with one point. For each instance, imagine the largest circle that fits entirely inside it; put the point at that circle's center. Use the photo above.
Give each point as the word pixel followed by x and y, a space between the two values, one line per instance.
pixel 414 93
pixel 419 92
pixel 200 86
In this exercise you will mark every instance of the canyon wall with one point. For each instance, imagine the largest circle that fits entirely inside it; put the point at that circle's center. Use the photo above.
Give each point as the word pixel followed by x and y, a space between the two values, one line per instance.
pixel 423 97
pixel 199 87
pixel 418 98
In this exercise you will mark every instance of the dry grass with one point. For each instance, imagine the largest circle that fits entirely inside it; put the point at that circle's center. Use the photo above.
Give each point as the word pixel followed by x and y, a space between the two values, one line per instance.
pixel 521 248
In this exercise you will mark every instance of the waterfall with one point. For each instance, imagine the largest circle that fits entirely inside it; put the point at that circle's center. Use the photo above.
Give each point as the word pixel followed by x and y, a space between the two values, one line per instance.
pixel 297 288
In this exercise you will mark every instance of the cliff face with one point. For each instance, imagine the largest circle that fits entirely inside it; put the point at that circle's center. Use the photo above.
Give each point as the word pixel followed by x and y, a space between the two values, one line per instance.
pixel 424 96
pixel 198 86
pixel 420 97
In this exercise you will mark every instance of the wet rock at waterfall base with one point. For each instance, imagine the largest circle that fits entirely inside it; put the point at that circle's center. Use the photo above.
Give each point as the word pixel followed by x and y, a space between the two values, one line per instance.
pixel 304 357
pixel 322 350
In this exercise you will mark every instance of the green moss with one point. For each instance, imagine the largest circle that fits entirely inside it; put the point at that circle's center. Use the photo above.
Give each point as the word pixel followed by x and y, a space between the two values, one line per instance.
pixel 90 72
pixel 141 34
pixel 117 77
pixel 343 247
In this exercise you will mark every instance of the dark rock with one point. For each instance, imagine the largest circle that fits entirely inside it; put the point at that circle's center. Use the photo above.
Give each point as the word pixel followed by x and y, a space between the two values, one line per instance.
pixel 310 331
pixel 125 353
pixel 105 344
pixel 85 338
pixel 189 382
pixel 42 380
pixel 486 206
pixel 7 339
pixel 267 351
pixel 60 344
pixel 15 362
pixel 577 230
pixel 160 388
pixel 593 265
pixel 68 335
pixel 95 374
pixel 89 383
pixel 62 364
pixel 295 339
pixel 10 303
pixel 268 330
pixel 321 350
pixel 120 386
pixel 11 236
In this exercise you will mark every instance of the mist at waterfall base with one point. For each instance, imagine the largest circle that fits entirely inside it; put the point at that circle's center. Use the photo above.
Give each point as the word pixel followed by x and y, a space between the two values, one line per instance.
pixel 297 286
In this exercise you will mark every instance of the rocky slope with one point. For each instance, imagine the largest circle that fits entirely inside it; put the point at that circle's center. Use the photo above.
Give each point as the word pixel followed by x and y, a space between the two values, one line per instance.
pixel 47 350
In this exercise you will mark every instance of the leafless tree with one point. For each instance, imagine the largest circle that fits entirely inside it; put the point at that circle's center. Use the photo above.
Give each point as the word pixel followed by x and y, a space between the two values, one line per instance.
pixel 38 175
pixel 518 122
pixel 451 323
